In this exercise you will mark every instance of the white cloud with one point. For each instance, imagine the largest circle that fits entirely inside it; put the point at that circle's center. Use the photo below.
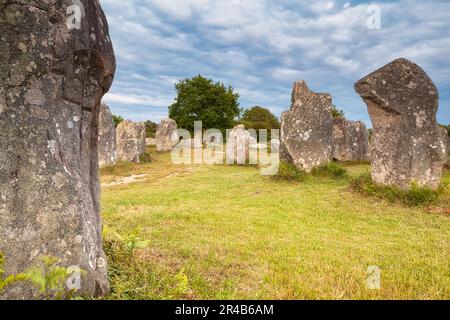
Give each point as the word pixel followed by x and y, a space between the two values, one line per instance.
pixel 261 46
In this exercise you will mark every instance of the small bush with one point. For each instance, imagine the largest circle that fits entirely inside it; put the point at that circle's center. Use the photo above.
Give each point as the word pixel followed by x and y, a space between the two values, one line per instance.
pixel 416 196
pixel 331 170
pixel 290 172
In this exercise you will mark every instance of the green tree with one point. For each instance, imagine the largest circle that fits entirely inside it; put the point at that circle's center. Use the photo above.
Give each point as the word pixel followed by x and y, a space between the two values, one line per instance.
pixel 150 128
pixel 117 120
pixel 259 118
pixel 338 113
pixel 200 99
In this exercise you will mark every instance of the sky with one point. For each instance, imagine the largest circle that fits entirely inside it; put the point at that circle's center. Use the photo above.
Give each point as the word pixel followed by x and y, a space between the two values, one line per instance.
pixel 261 47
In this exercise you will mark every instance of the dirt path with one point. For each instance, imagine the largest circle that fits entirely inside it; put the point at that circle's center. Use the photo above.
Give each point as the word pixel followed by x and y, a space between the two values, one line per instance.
pixel 126 180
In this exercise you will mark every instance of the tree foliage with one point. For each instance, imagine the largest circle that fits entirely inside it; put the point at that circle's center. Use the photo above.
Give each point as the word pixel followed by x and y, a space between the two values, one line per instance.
pixel 117 120
pixel 200 99
pixel 150 128
pixel 338 113
pixel 260 118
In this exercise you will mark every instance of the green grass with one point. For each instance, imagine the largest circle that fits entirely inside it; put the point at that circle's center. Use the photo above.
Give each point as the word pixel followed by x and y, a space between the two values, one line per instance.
pixel 226 232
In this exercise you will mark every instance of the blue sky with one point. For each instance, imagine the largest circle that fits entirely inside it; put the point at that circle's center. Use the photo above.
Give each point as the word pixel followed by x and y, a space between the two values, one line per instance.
pixel 261 47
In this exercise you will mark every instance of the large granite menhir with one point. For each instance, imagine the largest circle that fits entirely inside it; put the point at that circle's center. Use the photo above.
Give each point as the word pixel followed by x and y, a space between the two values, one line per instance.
pixel 238 142
pixel 350 140
pixel 107 152
pixel 131 141
pixel 52 80
pixel 407 144
pixel 166 136
pixel 307 129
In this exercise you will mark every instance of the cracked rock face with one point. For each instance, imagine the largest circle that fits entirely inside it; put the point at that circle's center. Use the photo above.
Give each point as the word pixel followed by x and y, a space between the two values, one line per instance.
pixel 131 141
pixel 52 80
pixel 166 135
pixel 350 140
pixel 407 145
pixel 107 153
pixel 307 129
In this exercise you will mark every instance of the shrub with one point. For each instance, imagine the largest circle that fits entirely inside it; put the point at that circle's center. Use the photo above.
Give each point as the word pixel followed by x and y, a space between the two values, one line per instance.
pixel 331 170
pixel 416 196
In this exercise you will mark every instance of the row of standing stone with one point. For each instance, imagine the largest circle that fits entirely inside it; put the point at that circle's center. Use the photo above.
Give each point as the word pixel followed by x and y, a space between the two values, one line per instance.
pixel 407 145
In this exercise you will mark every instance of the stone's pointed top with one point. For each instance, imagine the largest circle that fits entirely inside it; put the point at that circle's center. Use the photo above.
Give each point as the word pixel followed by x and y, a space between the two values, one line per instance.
pixel 300 88
pixel 301 92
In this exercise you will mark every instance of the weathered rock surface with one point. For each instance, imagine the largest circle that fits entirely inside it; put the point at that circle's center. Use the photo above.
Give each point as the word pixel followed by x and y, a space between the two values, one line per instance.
pixel 407 145
pixel 446 139
pixel 307 129
pixel 107 152
pixel 52 80
pixel 166 135
pixel 350 140
pixel 131 141
pixel 151 142
pixel 237 149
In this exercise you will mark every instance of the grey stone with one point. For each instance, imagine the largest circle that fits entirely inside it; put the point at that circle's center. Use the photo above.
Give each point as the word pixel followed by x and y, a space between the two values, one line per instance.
pixel 446 139
pixel 307 129
pixel 237 149
pixel 350 140
pixel 407 144
pixel 131 141
pixel 52 80
pixel 166 135
pixel 107 152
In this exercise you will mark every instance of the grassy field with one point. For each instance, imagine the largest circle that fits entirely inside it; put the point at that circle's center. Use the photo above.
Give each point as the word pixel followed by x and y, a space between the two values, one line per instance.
pixel 226 232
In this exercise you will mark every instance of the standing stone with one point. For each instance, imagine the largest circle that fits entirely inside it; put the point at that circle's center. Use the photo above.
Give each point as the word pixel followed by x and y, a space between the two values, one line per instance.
pixel 407 144
pixel 238 145
pixel 350 140
pixel 166 135
pixel 131 141
pixel 307 129
pixel 446 139
pixel 52 80
pixel 107 153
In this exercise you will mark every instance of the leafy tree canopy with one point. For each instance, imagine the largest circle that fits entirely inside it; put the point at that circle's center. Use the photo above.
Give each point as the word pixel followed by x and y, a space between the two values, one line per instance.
pixel 117 120
pixel 260 118
pixel 202 99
